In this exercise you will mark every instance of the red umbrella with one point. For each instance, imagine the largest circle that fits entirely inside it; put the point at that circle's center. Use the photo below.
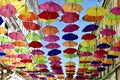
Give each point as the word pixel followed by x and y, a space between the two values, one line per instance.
pixel 52 46
pixel 43 70
pixel 26 60
pixel 56 66
pixel 70 50
pixel 100 51
pixel 35 44
pixel 71 28
pixel 70 17
pixel 31 26
pixel 88 36
pixel 48 15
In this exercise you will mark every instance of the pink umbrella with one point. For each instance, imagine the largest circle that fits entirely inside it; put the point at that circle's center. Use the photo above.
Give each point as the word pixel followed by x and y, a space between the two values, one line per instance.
pixel 99 55
pixel 11 56
pixel 52 46
pixel 55 62
pixel 115 48
pixel 16 36
pixel 71 28
pixel 24 56
pixel 51 38
pixel 41 66
pixel 1 49
pixel 115 10
pixel 11 66
pixel 7 46
pixel 50 7
pixel 37 52
pixel 107 32
pixel 8 10
pixel 85 54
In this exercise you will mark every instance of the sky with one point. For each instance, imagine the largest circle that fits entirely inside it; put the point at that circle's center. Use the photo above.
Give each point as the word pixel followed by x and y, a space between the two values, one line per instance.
pixel 60 25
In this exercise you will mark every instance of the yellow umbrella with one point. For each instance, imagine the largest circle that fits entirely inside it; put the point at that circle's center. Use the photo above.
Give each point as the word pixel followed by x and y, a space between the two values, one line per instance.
pixel 70 44
pixel 111 22
pixel 89 43
pixel 96 11
pixel 69 63
pixel 4 2
pixel 3 30
pixel 106 39
pixel 9 52
pixel 39 57
pixel 72 7
pixel 70 68
pixel 85 58
pixel 48 21
pixel 115 53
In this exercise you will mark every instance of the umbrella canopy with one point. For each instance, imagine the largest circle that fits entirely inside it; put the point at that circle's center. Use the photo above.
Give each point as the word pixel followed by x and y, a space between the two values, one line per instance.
pixel 108 32
pixel 106 39
pixel 48 15
pixel 19 43
pixel 70 44
pixel 111 22
pixel 28 17
pixel 39 57
pixel 2 53
pixel 5 39
pixel 54 58
pixel 103 46
pixel 69 63
pixel 70 55
pixel 7 46
pixel 51 38
pixel 24 56
pixel 31 26
pixel 50 7
pixel 71 28
pixel 69 17
pixel 16 36
pixel 88 43
pixel 86 49
pixel 56 61
pixel 88 36
pixel 52 46
pixel 115 10
pixel 70 36
pixel 85 54
pixel 51 30
pixel 111 16
pixel 33 36
pixel 100 51
pixel 35 44
pixel 54 52
pixel 10 52
pixel 37 52
pixel 116 48
pixel 72 7
pixel 70 50
pixel 96 11
pixel 8 10
pixel 22 50
pixel 3 30
pixel 74 1
pixel 1 20
pixel 117 44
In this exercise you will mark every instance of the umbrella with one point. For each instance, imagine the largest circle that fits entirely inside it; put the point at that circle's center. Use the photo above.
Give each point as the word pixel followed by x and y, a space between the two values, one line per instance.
pixel 108 61
pixel 39 57
pixel 26 61
pixel 70 44
pixel 37 52
pixel 19 43
pixel 22 50
pixel 72 7
pixel 28 17
pixel 70 36
pixel 51 38
pixel 96 11
pixel 100 51
pixel 111 22
pixel 5 39
pixel 69 63
pixel 111 56
pixel 90 27
pixel 111 16
pixel 92 18
pixel 48 15
pixel 55 61
pixel 54 52
pixel 108 32
pixel 85 54
pixel 116 48
pixel 114 53
pixel 40 62
pixel 99 55
pixel 86 49
pixel 85 59
pixel 24 56
pixel 115 10
pixel 7 46
pixel 50 30
pixel 52 46
pixel 71 28
pixel 54 58
pixel 33 36
pixel 87 43
pixel 16 35
pixel 70 55
pixel 35 44
pixel 3 30
pixel 100 69
pixel 10 51
pixel 69 17
pixel 2 53
pixel 1 20
pixel 31 26
pixel 8 10
pixel 106 39
pixel 50 7
pixel 41 66
pixel 88 36
pixel 103 46
pixel 70 50
pixel 74 1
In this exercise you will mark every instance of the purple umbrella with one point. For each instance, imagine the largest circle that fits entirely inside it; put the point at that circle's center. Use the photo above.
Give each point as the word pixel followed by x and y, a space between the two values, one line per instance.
pixel 52 46
pixel 91 27
pixel 85 54
pixel 50 7
pixel 37 52
pixel 103 46
pixel 51 38
pixel 71 28
pixel 108 32
pixel 115 10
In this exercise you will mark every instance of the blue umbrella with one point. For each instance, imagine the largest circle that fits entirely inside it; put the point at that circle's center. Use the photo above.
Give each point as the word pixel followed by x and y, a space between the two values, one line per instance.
pixel 95 62
pixel 103 64
pixel 2 53
pixel 70 36
pixel 54 52
pixel 101 68
pixel 91 27
pixel 112 56
pixel 103 46
pixel 1 20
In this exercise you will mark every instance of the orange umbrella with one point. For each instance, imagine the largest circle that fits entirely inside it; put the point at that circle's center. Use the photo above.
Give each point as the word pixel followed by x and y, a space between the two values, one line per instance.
pixel 50 30
pixel 108 61
pixel 54 58
pixel 28 17
pixel 19 43
pixel 2 30
pixel 106 39
pixel 70 44
pixel 117 44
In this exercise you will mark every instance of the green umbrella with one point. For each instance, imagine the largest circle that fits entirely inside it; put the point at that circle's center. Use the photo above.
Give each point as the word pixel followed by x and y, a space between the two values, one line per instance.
pixel 74 1
pixel 40 62
pixel 113 17
pixel 22 50
pixel 118 38
pixel 83 65
pixel 33 36
pixel 70 55
pixel 92 68
pixel 86 49
pixel 5 39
